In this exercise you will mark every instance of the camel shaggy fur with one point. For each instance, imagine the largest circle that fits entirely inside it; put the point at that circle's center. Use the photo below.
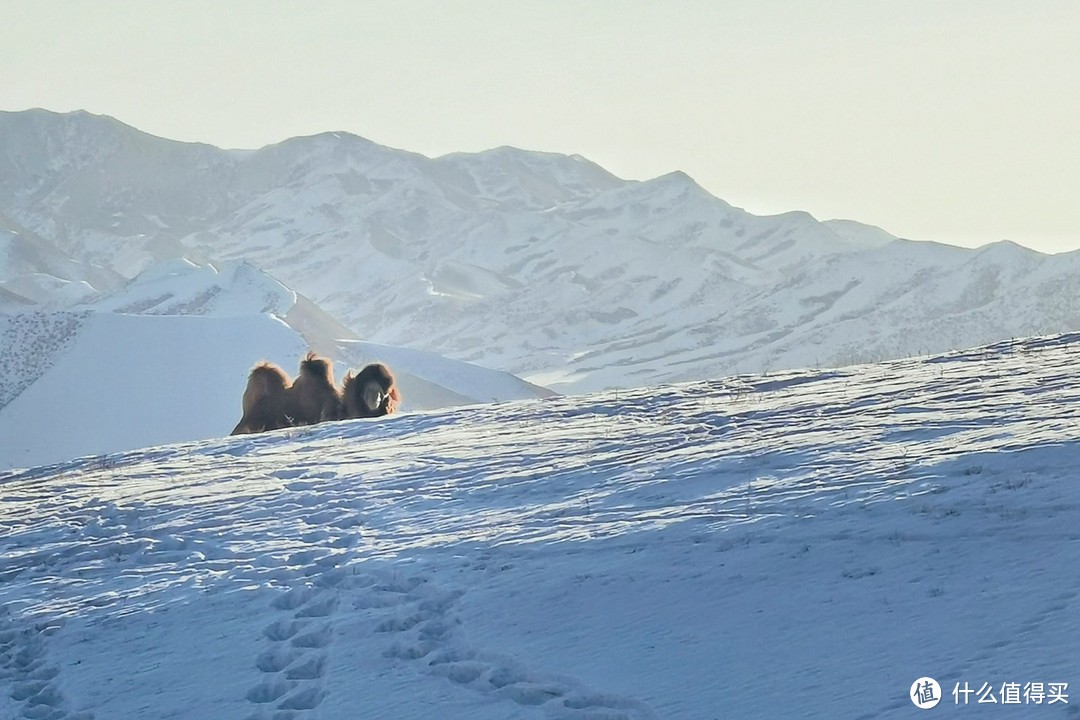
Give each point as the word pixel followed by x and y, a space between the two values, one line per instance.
pixel 370 393
pixel 313 397
pixel 272 401
pixel 264 400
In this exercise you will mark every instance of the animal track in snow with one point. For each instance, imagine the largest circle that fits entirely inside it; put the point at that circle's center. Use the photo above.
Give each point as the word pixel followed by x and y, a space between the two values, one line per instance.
pixel 305 699
pixel 601 707
pixel 310 669
pixel 399 624
pixel 292 599
pixel 318 608
pixel 269 690
pixel 425 630
pixel 296 662
pixel 276 659
pixel 313 639
pixel 32 679
pixel 281 630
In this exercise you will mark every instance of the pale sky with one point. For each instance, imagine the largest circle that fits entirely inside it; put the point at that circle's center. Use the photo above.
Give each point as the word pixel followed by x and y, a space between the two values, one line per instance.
pixel 948 120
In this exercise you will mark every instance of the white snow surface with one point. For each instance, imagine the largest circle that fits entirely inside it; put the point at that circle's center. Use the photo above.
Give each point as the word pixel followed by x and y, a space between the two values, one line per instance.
pixel 804 544
pixel 181 287
pixel 130 381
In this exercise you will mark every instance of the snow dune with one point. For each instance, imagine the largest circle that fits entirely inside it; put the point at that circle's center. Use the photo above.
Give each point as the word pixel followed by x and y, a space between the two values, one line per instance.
pixel 166 360
pixel 805 544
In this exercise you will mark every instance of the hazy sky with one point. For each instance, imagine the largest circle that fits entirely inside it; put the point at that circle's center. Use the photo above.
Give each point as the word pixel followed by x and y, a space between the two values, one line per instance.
pixel 948 120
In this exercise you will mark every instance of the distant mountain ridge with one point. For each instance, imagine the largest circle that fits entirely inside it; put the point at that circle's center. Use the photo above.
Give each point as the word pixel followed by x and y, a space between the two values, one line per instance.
pixel 543 265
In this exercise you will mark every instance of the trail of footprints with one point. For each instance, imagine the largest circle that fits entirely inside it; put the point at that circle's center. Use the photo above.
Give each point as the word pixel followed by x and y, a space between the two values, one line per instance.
pixel 417 618
pixel 295 662
pixel 32 680
pixel 422 629
pixel 414 614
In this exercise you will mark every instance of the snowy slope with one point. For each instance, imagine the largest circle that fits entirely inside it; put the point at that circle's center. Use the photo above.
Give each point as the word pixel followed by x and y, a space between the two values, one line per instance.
pixel 130 381
pixel 166 359
pixel 542 265
pixel 802 544
pixel 30 343
pixel 180 287
pixel 36 270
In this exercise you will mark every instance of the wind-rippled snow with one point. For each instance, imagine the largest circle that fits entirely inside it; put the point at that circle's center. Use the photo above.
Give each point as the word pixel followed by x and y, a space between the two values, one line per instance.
pixel 805 543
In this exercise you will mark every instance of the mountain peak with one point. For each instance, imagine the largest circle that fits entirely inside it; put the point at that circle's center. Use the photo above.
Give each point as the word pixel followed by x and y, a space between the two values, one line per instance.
pixel 529 178
pixel 534 160
pixel 676 177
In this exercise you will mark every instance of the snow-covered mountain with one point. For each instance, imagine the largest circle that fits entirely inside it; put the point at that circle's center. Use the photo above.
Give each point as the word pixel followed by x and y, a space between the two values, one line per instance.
pixel 806 544
pixel 33 271
pixel 543 265
pixel 165 359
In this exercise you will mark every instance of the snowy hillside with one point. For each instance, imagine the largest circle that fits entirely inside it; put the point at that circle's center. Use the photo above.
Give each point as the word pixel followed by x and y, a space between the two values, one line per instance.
pixel 542 265
pixel 166 359
pixel 34 272
pixel 798 545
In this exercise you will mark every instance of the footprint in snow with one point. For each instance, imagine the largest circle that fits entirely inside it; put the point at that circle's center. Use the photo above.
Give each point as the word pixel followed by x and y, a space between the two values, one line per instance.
pixel 296 660
pixel 33 680
pixel 425 630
